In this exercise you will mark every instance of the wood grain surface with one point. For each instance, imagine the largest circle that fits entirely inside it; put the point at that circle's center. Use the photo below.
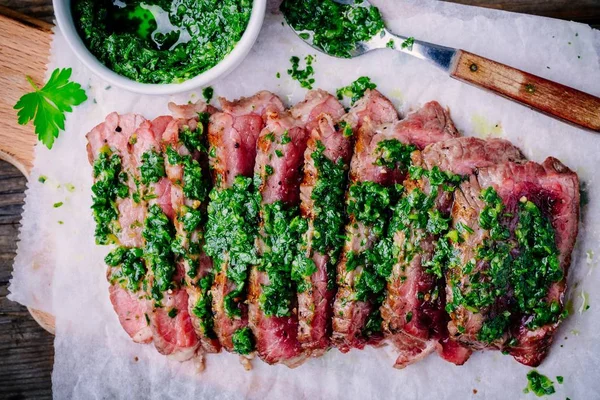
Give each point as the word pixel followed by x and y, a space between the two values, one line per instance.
pixel 551 98
pixel 28 42
pixel 26 351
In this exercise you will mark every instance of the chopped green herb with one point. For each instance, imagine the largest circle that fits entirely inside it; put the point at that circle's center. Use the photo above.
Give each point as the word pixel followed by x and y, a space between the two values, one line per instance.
pixel 109 185
pixel 152 168
pixel 303 76
pixel 56 205
pixel 408 43
pixel 356 89
pixel 172 313
pixel 132 269
pixel 539 384
pixel 42 179
pixel 243 341
pixel 336 28
pixel 230 234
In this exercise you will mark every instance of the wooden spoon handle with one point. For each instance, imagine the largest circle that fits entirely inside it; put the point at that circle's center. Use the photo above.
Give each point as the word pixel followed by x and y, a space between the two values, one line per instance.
pixel 551 98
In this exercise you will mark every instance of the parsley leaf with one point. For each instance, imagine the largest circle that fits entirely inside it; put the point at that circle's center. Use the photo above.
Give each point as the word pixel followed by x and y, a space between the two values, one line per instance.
pixel 47 106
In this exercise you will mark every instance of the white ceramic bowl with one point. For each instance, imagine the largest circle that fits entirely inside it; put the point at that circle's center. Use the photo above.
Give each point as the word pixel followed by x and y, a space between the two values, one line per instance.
pixel 64 19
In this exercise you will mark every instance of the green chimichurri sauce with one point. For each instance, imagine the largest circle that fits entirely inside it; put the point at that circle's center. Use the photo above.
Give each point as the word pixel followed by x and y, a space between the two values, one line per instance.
pixel 243 341
pixel 161 41
pixel 335 27
pixel 282 228
pixel 159 234
pixel 527 263
pixel 329 217
pixel 356 89
pixel 132 271
pixel 109 185
pixel 230 235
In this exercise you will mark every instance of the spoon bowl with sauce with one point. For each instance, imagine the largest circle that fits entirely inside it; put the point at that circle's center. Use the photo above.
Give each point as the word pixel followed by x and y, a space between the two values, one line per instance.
pixel 160 47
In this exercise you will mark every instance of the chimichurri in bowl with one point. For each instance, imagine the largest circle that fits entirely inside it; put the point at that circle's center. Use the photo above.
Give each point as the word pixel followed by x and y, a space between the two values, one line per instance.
pixel 160 46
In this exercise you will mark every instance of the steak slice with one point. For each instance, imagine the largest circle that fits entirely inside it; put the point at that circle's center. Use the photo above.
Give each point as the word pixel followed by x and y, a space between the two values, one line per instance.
pixel 272 310
pixel 108 144
pixel 375 169
pixel 232 223
pixel 233 134
pixel 170 321
pixel 413 312
pixel 524 220
pixel 326 163
pixel 186 164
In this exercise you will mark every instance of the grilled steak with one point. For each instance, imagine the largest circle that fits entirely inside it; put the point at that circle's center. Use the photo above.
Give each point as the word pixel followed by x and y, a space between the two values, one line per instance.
pixel 380 161
pixel 272 301
pixel 350 315
pixel 505 289
pixel 413 313
pixel 186 164
pixel 326 163
pixel 233 213
pixel 108 152
pixel 170 321
pixel 233 134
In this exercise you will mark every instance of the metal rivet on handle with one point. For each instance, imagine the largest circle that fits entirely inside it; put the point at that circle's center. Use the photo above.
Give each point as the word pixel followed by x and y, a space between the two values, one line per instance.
pixel 473 67
pixel 529 88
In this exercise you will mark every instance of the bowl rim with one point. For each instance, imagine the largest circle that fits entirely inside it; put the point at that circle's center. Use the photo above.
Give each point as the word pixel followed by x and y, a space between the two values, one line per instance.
pixel 66 24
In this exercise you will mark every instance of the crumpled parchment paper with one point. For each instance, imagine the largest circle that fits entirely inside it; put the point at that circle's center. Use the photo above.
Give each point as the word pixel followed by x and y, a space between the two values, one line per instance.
pixel 59 269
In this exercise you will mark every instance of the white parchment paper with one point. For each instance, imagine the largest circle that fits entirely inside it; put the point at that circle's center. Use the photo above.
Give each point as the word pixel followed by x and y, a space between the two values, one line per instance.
pixel 59 269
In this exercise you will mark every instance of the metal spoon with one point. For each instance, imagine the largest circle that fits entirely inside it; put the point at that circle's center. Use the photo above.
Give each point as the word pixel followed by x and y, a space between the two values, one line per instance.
pixel 554 99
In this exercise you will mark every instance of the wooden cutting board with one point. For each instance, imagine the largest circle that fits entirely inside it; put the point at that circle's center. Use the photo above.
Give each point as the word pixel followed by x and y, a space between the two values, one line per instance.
pixel 24 50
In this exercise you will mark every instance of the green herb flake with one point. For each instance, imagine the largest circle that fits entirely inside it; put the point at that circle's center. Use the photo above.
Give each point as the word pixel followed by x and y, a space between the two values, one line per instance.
pixel 408 43
pixel 303 76
pixel 539 384
pixel 560 379
pixel 172 313
pixel 59 204
pixel 47 106
pixel 356 89
pixel 42 179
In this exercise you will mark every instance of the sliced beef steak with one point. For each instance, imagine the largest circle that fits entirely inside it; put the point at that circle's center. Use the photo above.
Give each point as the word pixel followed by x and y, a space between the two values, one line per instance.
pixel 186 165
pixel 170 321
pixel 107 140
pixel 524 220
pixel 413 313
pixel 233 211
pixel 378 161
pixel 349 314
pixel 326 164
pixel 233 134
pixel 272 310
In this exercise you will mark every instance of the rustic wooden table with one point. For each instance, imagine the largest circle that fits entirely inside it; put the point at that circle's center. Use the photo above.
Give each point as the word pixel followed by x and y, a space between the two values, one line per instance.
pixel 26 351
